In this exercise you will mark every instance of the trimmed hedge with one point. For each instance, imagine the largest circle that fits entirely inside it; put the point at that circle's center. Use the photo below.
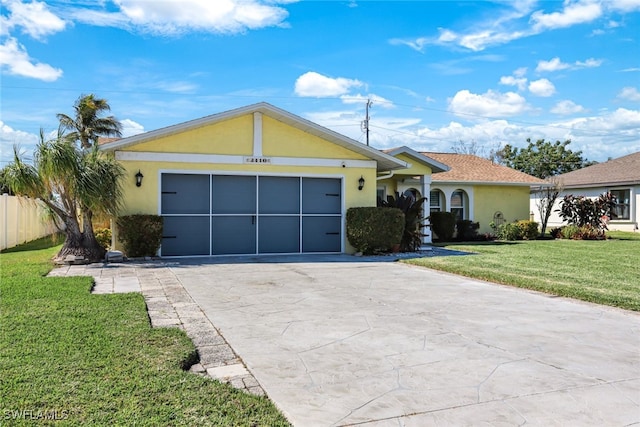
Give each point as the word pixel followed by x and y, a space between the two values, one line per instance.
pixel 443 224
pixel 374 229
pixel 141 235
pixel 467 230
pixel 519 230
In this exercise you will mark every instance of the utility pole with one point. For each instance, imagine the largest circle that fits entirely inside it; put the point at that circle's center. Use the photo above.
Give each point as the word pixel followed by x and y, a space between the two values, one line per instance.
pixel 365 123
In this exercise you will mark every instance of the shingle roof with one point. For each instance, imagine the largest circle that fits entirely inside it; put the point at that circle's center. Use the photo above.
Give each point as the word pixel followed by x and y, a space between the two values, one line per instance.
pixel 470 168
pixel 621 171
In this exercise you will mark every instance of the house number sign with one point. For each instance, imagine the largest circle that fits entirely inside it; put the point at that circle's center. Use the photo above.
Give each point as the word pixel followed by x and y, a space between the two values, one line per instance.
pixel 261 160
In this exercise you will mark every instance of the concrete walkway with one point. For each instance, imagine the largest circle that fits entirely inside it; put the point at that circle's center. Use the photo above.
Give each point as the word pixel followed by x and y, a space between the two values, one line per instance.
pixel 337 342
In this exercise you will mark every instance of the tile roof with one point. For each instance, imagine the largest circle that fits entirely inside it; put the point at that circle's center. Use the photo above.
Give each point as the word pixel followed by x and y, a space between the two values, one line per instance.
pixel 620 171
pixel 470 168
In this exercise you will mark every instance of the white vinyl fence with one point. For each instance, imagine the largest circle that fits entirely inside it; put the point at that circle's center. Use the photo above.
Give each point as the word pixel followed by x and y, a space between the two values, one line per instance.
pixel 22 220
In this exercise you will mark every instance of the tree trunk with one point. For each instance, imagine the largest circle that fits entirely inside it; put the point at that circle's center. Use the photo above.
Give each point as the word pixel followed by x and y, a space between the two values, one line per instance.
pixel 79 243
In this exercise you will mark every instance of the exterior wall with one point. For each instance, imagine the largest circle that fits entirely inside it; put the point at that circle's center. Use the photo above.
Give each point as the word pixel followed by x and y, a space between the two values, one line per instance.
pixel 233 138
pixel 448 189
pixel 416 168
pixel 512 201
pixel 282 140
pixel 22 220
pixel 555 220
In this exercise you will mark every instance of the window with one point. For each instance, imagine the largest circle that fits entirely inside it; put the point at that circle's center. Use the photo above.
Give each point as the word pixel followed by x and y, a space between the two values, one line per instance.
pixel 458 204
pixel 620 209
pixel 435 201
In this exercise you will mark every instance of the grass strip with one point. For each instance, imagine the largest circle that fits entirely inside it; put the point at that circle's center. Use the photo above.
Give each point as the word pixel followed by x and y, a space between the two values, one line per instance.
pixel 604 272
pixel 80 359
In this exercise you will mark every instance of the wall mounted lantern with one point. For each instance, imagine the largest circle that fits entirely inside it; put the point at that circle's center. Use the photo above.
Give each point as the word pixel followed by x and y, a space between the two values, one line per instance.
pixel 361 183
pixel 139 177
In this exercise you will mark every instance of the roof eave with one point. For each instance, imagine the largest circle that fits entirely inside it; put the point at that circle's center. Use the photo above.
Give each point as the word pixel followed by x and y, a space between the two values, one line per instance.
pixel 435 165
pixel 497 183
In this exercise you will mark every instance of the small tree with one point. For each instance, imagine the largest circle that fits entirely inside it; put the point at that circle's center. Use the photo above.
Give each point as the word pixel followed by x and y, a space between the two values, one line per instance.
pixel 87 125
pixel 584 211
pixel 545 199
pixel 543 159
pixel 74 184
pixel 414 219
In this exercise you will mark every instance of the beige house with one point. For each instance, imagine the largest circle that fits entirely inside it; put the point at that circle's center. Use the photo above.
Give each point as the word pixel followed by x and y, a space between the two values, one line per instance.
pixel 619 176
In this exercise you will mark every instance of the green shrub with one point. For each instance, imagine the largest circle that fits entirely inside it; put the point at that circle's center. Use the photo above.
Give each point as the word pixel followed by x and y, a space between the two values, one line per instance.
pixel 556 233
pixel 529 229
pixel 509 231
pixel 140 235
pixel 103 236
pixel 570 232
pixel 589 232
pixel 374 229
pixel 467 230
pixel 443 225
pixel 411 207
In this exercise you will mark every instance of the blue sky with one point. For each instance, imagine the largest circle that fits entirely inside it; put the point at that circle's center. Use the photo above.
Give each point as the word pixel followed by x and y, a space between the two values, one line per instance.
pixel 439 73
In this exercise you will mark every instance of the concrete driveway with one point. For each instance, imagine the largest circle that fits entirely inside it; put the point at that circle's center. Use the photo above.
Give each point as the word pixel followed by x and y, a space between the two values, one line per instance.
pixel 387 344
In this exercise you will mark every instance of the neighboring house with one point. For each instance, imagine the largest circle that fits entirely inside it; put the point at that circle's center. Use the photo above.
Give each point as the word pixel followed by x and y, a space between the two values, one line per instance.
pixel 619 176
pixel 252 180
pixel 472 187
pixel 260 180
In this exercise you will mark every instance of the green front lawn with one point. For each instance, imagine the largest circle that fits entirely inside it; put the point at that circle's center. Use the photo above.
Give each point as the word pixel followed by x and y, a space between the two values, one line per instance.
pixel 605 272
pixel 94 360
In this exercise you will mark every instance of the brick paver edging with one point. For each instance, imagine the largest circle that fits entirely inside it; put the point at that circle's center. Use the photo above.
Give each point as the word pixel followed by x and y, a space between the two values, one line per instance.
pixel 169 305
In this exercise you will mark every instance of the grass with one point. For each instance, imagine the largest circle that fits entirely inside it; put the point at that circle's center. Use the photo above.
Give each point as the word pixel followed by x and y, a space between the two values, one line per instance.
pixel 604 272
pixel 94 359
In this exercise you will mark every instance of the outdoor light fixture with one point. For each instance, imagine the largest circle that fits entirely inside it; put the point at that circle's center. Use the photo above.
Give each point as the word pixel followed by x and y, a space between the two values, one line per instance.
pixel 361 183
pixel 139 177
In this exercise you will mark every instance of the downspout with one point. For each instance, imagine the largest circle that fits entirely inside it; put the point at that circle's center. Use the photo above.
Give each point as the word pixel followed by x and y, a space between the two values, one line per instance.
pixel 391 173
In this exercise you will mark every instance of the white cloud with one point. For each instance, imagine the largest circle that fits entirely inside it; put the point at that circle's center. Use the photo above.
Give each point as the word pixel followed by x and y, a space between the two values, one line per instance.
pixel 362 99
pixel 567 107
pixel 130 128
pixel 542 87
pixel 623 5
pixel 34 18
pixel 629 93
pixel 555 64
pixel 589 63
pixel 15 60
pixel 490 104
pixel 552 65
pixel 9 137
pixel 174 18
pixel 317 85
pixel 417 44
pixel 517 78
pixel 573 13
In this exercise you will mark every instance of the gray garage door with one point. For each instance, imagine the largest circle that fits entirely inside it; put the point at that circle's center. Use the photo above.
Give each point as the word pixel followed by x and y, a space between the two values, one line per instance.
pixel 229 214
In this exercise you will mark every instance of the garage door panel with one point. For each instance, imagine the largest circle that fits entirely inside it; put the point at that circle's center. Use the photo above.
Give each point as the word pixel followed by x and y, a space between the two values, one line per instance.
pixel 185 194
pixel 185 235
pixel 321 234
pixel 231 194
pixel 321 196
pixel 279 195
pixel 233 235
pixel 279 235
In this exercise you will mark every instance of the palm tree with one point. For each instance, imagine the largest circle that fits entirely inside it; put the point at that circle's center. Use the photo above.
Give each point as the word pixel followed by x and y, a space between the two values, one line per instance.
pixel 75 184
pixel 87 125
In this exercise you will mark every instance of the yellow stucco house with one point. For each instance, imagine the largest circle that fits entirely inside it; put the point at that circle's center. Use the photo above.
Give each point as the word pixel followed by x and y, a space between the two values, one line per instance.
pixel 260 180
pixel 472 187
